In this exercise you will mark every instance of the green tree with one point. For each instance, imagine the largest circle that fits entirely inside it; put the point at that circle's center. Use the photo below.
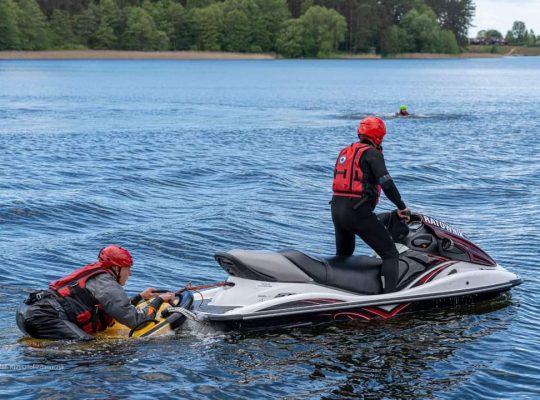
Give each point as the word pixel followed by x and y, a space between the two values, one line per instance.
pixel 391 41
pixel 421 31
pixel 158 11
pixel 141 32
pixel 509 38
pixel 454 15
pixel 171 18
pixel 316 33
pixel 208 26
pixel 271 16
pixel 519 32
pixel 32 26
pixel 184 29
pixel 9 30
pixel 104 37
pixel 368 21
pixel 236 31
pixel 241 29
pixel 248 25
pixel 60 30
pixel 494 34
pixel 531 38
pixel 323 30
pixel 448 43
pixel 86 23
pixel 290 40
pixel 190 4
pixel 111 16
pixel 100 25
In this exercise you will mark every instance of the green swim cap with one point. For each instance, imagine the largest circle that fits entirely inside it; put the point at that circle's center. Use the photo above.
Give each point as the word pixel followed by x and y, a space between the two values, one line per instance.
pixel 402 107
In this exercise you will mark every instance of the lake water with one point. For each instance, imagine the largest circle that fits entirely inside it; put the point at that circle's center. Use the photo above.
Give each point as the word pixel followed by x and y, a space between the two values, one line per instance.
pixel 176 160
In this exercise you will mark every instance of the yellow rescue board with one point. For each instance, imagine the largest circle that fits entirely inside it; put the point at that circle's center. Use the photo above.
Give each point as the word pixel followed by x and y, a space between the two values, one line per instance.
pixel 151 329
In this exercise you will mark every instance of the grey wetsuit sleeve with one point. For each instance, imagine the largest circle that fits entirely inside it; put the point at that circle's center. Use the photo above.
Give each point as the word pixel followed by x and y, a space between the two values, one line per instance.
pixel 115 301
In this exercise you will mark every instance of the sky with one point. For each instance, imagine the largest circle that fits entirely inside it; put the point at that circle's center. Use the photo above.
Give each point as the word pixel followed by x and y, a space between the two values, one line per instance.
pixel 501 14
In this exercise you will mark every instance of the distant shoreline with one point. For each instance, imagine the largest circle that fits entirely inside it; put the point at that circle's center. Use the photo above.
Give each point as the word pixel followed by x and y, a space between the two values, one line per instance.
pixel 129 55
pixel 417 56
pixel 208 55
pixel 421 56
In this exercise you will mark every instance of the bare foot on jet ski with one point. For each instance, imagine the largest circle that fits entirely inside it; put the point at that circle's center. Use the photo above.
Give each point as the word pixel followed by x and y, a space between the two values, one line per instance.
pixel 404 214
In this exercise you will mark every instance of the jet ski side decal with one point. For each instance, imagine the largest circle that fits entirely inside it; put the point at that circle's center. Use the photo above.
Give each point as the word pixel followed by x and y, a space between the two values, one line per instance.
pixel 368 313
pixel 434 223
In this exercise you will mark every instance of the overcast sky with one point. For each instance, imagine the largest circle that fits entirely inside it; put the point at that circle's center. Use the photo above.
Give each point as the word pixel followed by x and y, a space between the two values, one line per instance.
pixel 501 14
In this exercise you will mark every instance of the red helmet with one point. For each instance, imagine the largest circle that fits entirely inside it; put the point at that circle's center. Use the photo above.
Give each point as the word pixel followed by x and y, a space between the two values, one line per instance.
pixel 115 256
pixel 373 129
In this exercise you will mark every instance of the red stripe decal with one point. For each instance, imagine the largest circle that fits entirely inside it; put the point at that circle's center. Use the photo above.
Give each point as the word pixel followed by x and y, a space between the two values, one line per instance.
pixel 384 314
pixel 432 274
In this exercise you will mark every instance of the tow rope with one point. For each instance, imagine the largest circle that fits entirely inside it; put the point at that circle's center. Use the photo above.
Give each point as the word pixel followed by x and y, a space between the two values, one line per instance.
pixel 190 287
pixel 181 310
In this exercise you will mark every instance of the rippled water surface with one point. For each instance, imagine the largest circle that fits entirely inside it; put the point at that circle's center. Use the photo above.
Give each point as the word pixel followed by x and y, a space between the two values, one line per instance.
pixel 176 160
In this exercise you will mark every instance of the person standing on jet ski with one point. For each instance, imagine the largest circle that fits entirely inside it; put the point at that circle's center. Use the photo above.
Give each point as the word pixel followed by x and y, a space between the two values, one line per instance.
pixel 359 175
pixel 88 300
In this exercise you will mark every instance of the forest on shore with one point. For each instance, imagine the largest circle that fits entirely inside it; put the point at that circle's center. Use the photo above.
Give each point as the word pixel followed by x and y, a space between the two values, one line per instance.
pixel 291 28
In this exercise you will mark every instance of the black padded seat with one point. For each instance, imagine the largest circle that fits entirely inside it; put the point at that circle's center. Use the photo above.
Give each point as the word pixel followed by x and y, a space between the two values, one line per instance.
pixel 359 274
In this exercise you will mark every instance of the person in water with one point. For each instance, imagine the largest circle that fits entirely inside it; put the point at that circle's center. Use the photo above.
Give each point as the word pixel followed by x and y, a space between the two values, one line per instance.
pixel 402 111
pixel 88 300
pixel 359 175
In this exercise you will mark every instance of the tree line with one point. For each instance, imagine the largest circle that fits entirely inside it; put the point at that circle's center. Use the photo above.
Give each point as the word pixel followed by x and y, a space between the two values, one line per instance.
pixel 517 36
pixel 292 28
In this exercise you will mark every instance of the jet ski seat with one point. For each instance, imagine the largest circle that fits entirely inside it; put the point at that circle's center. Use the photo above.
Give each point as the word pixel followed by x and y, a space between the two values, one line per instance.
pixel 358 274
pixel 266 266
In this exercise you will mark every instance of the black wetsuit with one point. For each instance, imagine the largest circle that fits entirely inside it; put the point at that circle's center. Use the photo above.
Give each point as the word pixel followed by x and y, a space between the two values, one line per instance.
pixel 353 215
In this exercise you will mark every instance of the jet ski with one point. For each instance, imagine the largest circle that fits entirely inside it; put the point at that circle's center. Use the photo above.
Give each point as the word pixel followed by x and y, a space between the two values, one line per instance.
pixel 438 266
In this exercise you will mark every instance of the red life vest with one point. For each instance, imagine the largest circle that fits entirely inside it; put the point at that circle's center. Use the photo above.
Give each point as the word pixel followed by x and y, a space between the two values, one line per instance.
pixel 349 179
pixel 78 302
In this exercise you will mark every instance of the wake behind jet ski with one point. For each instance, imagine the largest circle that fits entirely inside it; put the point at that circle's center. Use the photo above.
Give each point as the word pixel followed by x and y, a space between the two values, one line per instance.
pixel 438 265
